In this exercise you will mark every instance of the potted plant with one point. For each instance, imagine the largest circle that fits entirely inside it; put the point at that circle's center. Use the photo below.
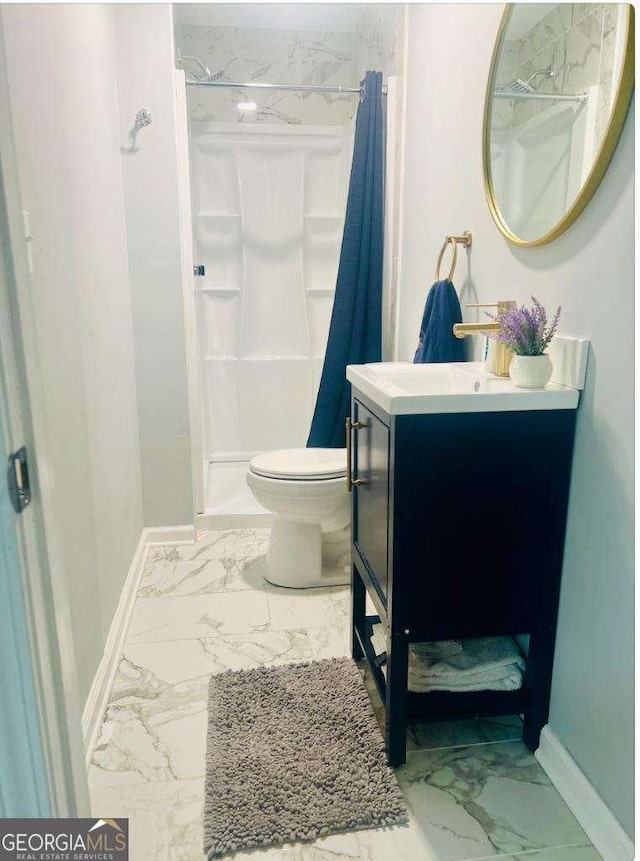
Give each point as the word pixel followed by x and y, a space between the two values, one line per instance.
pixel 527 332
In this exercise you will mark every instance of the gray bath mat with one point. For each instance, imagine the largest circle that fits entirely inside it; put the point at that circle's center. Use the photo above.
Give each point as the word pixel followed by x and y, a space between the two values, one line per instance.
pixel 294 753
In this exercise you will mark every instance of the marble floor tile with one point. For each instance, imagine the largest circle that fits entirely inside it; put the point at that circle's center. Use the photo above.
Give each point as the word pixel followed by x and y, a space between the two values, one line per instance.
pixel 165 819
pixel 308 608
pixel 337 847
pixel 232 544
pixel 151 742
pixel 200 576
pixel 196 616
pixel 170 670
pixel 400 843
pixel 332 641
pixel 226 561
pixel 485 800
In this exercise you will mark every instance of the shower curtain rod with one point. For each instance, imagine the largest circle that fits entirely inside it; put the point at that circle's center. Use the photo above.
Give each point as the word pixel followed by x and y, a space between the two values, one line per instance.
pixel 547 97
pixel 251 85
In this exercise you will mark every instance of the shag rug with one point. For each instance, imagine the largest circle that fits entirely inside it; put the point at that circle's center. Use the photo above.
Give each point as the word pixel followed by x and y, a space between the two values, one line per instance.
pixel 294 753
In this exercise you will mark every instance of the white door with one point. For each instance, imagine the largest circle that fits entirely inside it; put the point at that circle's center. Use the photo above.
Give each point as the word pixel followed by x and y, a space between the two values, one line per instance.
pixel 54 779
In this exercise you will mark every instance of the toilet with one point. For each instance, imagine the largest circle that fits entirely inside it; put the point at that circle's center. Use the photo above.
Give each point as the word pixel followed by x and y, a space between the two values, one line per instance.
pixel 305 489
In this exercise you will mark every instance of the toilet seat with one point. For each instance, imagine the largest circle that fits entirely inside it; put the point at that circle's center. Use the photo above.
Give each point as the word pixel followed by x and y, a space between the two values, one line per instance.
pixel 301 464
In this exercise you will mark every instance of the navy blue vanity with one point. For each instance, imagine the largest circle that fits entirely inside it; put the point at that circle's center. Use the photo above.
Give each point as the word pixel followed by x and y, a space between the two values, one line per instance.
pixel 459 505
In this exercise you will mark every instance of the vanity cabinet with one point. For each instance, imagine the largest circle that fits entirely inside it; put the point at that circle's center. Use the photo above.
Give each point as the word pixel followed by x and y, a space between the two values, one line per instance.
pixel 458 532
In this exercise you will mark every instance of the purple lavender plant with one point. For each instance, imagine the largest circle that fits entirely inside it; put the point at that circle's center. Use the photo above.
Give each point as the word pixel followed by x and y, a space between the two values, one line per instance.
pixel 525 330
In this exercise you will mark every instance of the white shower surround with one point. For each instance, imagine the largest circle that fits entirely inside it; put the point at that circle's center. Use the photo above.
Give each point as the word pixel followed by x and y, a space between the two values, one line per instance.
pixel 268 211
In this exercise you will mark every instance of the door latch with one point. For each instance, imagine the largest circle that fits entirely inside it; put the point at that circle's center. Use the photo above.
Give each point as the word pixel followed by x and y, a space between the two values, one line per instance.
pixel 18 480
pixel 199 270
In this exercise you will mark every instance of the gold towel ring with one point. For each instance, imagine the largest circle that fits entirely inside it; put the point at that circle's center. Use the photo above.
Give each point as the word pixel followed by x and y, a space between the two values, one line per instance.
pixel 454 258
pixel 454 241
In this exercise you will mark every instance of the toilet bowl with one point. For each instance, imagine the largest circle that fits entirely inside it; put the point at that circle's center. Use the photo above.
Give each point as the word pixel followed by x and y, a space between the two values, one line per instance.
pixel 311 536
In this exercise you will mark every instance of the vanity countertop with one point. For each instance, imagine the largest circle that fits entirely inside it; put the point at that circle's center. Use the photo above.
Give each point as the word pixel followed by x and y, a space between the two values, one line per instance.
pixel 402 388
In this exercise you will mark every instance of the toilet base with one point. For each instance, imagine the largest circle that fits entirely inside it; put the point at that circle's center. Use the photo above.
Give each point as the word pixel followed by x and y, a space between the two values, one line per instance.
pixel 301 556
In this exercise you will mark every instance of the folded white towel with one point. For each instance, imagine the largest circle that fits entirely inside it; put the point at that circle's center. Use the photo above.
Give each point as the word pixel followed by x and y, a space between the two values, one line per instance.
pixel 420 685
pixel 510 682
pixel 484 663
pixel 478 657
pixel 490 674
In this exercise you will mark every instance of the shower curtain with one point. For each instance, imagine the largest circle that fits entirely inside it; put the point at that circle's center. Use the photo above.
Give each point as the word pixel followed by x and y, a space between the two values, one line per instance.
pixel 355 332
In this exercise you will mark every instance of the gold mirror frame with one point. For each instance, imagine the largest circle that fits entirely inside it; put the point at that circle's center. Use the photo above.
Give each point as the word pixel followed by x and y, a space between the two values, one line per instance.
pixel 607 148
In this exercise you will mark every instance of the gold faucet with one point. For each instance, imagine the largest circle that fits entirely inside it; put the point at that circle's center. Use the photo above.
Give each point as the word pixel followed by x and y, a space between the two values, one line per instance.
pixel 502 355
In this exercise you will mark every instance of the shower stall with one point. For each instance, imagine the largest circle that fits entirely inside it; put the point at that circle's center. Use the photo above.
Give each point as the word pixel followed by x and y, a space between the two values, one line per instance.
pixel 268 212
pixel 263 203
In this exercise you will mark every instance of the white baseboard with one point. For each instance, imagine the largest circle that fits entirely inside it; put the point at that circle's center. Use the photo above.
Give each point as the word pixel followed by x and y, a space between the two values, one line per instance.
pixel 170 534
pixel 100 690
pixel 98 698
pixel 599 823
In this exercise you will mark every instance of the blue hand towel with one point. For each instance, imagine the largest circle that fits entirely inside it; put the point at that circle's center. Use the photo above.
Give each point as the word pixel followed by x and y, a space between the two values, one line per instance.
pixel 437 343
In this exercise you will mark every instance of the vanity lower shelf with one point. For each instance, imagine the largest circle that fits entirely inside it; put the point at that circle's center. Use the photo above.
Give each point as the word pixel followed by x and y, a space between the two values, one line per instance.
pixel 444 705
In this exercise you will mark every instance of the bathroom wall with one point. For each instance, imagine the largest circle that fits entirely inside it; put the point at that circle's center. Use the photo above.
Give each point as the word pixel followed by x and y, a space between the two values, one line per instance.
pixel 61 68
pixel 590 271
pixel 379 39
pixel 277 56
pixel 332 46
pixel 144 36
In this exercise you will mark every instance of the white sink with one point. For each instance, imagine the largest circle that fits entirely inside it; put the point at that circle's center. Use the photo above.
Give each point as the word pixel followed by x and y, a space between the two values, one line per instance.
pixel 400 388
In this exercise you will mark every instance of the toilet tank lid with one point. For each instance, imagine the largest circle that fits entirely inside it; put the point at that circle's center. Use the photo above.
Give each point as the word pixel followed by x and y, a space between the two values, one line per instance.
pixel 301 463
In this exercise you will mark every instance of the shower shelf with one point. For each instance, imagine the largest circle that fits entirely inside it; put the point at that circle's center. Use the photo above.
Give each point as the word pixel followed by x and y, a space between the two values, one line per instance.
pixel 321 291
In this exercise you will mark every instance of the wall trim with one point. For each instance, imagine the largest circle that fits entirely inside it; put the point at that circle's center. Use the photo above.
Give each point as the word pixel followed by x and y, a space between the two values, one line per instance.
pixel 98 697
pixel 601 826
pixel 170 534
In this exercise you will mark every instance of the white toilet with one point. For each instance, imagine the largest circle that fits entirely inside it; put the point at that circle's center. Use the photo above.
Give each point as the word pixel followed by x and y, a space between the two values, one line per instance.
pixel 305 488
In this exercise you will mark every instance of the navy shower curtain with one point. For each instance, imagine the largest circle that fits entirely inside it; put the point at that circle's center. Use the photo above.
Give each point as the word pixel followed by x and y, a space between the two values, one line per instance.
pixel 355 333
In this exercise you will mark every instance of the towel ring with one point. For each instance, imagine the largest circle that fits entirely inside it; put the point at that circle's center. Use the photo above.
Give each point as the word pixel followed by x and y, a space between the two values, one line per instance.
pixel 466 240
pixel 454 258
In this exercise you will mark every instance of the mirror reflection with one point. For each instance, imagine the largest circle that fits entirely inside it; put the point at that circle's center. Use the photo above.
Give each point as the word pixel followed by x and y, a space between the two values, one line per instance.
pixel 555 82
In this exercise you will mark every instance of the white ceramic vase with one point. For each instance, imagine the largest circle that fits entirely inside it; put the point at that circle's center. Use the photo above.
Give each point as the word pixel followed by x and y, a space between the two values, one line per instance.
pixel 530 372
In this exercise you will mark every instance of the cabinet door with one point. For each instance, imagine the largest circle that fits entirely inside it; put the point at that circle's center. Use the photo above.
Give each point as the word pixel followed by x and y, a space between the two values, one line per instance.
pixel 371 498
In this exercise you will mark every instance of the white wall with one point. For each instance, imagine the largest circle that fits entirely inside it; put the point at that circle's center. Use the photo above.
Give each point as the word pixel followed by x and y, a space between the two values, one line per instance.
pixel 590 271
pixel 61 62
pixel 145 72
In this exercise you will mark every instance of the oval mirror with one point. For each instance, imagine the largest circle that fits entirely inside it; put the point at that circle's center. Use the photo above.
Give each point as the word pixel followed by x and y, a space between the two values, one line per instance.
pixel 559 88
